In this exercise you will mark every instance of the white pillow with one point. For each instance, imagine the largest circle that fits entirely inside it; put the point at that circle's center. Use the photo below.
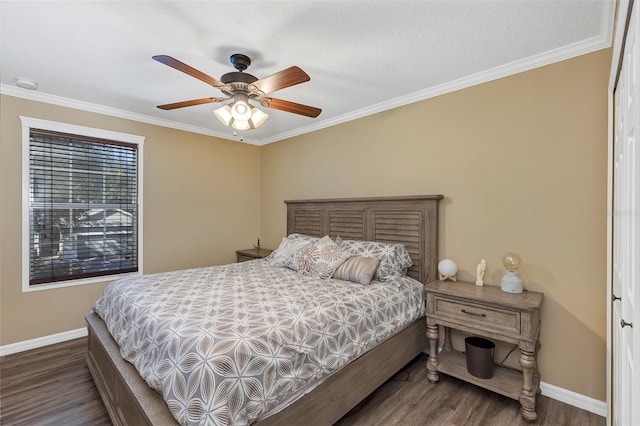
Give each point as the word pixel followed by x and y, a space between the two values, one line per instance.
pixel 287 247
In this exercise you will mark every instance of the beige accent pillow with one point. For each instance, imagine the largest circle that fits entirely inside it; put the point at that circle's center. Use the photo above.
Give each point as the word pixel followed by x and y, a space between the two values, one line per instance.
pixel 319 259
pixel 358 269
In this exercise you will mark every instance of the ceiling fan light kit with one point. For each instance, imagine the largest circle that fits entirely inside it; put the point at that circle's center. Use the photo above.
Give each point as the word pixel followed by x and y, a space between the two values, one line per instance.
pixel 242 87
pixel 256 118
pixel 240 109
pixel 240 114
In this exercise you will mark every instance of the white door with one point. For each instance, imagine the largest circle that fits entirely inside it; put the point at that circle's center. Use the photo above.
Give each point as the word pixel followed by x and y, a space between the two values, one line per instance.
pixel 625 319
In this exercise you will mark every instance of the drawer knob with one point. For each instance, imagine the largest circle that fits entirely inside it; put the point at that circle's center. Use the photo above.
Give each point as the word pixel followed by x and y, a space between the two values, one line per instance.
pixel 474 313
pixel 623 323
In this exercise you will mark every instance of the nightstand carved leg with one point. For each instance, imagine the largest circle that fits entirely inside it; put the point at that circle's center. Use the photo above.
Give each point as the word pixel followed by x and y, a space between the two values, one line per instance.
pixel 536 372
pixel 432 363
pixel 528 393
pixel 446 345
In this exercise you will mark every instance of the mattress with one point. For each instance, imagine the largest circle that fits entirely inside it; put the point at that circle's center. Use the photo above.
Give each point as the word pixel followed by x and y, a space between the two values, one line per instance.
pixel 229 344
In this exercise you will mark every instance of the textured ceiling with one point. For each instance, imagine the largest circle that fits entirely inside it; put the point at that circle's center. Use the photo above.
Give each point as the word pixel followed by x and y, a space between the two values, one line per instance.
pixel 363 56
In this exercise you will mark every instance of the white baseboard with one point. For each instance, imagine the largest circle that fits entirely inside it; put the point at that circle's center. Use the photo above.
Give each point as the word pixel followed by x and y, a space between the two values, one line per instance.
pixel 560 394
pixel 583 402
pixel 39 342
pixel 572 398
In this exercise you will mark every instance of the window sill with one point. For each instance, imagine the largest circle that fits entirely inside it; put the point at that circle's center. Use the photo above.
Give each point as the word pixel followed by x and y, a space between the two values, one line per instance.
pixel 26 288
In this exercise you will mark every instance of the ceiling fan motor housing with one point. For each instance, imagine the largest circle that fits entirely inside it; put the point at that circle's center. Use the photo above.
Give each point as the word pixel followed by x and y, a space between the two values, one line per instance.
pixel 238 77
pixel 239 61
pixel 238 81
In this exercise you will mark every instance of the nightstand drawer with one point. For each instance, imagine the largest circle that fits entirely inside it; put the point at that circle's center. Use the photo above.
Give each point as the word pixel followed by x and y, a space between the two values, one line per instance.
pixel 478 315
pixel 242 258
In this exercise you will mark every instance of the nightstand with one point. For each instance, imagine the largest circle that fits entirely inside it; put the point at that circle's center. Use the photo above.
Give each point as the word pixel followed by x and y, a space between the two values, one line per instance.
pixel 251 254
pixel 489 312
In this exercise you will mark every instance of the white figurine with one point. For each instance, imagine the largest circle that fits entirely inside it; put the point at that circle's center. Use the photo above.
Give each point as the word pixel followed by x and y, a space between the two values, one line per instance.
pixel 482 266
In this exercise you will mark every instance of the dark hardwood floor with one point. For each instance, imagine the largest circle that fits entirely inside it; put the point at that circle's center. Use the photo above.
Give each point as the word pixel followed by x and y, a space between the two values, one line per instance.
pixel 52 386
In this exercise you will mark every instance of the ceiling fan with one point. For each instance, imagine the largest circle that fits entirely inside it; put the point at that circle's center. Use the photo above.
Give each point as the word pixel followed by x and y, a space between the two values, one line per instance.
pixel 240 87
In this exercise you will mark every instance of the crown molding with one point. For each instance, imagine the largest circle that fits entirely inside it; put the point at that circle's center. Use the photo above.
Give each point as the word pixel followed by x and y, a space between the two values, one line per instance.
pixel 593 44
pixel 38 96
pixel 602 41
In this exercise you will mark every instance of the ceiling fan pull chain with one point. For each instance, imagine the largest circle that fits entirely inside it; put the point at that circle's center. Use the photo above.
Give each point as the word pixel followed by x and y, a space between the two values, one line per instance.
pixel 235 134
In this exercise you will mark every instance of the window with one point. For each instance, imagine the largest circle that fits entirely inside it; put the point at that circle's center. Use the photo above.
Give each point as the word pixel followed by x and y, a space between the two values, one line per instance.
pixel 81 204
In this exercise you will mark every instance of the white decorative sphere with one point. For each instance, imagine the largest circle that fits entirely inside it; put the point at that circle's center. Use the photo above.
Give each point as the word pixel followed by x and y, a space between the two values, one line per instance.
pixel 447 267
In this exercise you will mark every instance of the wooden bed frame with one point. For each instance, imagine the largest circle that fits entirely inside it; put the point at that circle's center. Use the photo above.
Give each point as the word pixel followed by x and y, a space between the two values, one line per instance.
pixel 410 220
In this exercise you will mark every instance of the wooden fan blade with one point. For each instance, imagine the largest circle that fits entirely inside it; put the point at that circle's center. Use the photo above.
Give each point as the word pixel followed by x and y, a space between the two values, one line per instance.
pixel 289 106
pixel 190 103
pixel 180 66
pixel 285 78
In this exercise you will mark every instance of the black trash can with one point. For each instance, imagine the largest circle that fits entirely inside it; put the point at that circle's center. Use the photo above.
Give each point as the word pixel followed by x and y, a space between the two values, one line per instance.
pixel 479 356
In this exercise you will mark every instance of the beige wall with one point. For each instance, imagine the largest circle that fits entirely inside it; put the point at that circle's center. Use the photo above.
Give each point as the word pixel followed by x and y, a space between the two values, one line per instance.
pixel 201 203
pixel 522 163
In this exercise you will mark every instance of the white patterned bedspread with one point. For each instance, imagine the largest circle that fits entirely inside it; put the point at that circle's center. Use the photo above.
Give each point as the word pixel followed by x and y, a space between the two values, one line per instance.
pixel 226 344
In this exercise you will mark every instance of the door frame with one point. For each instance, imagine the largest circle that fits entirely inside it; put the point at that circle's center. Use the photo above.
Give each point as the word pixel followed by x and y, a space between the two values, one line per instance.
pixel 623 14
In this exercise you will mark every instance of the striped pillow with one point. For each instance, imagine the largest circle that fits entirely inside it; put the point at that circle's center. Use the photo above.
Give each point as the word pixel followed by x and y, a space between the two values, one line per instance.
pixel 358 269
pixel 394 258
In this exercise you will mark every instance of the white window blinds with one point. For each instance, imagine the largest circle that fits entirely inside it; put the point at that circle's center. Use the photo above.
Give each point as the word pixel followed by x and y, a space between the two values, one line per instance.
pixel 83 207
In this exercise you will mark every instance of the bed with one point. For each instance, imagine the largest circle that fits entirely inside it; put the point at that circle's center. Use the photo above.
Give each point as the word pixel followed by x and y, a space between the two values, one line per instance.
pixel 411 221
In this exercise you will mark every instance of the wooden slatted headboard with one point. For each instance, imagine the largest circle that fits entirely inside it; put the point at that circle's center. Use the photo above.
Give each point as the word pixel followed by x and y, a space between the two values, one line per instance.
pixel 408 220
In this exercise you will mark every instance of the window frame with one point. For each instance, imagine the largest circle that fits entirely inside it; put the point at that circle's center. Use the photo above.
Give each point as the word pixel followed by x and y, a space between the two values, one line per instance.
pixel 27 124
